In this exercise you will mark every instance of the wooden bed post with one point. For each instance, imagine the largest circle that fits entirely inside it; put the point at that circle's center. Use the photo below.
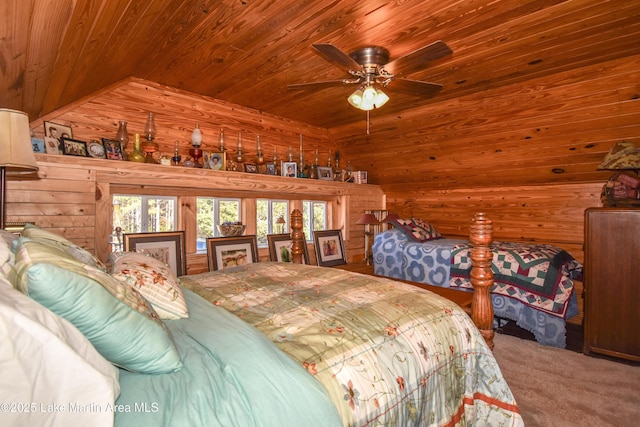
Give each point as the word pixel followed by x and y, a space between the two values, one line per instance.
pixel 297 236
pixel 481 236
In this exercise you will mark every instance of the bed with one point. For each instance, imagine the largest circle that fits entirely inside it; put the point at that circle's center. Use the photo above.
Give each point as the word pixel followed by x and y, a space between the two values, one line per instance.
pixel 262 344
pixel 532 284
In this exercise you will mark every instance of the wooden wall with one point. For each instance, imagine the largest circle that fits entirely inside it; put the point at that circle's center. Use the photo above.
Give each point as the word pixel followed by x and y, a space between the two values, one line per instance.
pixel 72 197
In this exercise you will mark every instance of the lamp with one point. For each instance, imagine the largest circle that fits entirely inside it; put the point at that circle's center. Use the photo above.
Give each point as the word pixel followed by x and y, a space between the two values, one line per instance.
pixel 389 218
pixel 16 152
pixel 282 222
pixel 149 147
pixel 623 188
pixel 623 155
pixel 367 219
pixel 196 142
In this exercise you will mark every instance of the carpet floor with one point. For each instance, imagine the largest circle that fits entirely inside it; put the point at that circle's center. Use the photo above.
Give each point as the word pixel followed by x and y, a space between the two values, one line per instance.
pixel 564 388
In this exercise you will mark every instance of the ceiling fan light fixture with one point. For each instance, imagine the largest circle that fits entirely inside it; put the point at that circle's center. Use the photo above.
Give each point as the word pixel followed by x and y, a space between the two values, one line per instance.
pixel 355 99
pixel 381 99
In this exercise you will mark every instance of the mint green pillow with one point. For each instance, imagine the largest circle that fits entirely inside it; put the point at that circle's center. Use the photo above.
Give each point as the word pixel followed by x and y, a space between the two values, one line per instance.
pixel 116 319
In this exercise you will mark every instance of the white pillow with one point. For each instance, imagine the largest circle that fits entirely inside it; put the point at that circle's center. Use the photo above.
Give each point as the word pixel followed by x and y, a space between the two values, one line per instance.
pixel 45 361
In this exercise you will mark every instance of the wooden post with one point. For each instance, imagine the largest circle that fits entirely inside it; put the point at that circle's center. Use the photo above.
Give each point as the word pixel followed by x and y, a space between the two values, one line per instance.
pixel 481 236
pixel 297 236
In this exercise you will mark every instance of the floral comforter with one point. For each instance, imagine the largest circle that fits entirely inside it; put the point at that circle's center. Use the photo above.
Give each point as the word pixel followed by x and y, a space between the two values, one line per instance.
pixel 387 353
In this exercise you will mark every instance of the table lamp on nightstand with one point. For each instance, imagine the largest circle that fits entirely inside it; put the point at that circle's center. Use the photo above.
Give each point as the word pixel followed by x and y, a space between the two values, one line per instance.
pixel 368 219
pixel 16 152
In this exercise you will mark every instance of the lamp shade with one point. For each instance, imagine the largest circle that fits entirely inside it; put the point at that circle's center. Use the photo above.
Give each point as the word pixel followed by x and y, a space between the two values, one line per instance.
pixel 16 152
pixel 368 218
pixel 390 217
pixel 623 155
pixel 281 220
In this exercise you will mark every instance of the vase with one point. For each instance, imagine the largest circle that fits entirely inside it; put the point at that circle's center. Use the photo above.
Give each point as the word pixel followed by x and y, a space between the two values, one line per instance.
pixel 137 155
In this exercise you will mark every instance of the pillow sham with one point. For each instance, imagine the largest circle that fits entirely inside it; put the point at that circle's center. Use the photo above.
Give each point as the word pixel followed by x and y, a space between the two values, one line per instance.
pixel 416 229
pixel 41 235
pixel 115 318
pixel 154 281
pixel 7 259
pixel 45 359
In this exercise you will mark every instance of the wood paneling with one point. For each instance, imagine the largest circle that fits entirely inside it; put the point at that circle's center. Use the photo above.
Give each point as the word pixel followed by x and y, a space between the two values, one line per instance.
pixel 66 202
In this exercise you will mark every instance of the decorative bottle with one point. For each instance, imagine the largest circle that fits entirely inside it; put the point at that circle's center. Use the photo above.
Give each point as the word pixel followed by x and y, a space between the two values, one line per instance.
pixel 122 135
pixel 136 155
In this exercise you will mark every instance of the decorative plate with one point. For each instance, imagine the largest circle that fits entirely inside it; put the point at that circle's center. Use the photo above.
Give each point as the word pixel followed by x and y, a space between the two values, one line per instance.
pixel 96 150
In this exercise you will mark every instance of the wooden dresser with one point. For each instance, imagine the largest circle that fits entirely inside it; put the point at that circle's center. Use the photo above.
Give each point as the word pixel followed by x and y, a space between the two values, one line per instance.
pixel 612 282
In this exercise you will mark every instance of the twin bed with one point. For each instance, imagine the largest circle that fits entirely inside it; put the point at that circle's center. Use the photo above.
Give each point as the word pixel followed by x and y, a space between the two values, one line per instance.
pixel 262 344
pixel 533 284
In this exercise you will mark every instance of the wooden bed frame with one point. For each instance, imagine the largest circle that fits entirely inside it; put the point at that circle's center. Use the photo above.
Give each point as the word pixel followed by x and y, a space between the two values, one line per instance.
pixel 480 236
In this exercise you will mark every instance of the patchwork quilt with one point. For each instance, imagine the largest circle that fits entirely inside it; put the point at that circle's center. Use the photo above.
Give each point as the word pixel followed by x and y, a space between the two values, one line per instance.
pixel 538 275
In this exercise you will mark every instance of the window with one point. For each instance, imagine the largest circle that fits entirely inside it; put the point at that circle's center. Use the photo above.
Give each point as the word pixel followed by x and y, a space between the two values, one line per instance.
pixel 210 212
pixel 314 217
pixel 144 214
pixel 267 214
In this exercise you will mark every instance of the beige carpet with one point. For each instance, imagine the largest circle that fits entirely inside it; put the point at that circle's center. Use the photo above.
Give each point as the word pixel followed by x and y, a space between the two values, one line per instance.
pixel 558 388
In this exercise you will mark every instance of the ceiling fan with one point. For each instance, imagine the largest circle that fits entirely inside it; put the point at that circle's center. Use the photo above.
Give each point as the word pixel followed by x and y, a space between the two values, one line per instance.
pixel 370 67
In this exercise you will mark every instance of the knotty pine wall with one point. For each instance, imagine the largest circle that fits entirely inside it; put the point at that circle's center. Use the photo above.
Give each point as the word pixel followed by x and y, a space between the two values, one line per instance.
pixel 72 197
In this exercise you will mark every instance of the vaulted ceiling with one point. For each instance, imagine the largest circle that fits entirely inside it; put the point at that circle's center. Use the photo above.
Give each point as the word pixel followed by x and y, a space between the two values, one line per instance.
pixel 247 51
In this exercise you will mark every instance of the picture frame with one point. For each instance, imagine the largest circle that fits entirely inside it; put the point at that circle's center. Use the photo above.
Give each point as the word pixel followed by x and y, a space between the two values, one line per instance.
pixel 74 147
pixel 250 168
pixel 215 160
pixel 271 169
pixel 51 145
pixel 325 172
pixel 225 252
pixel 329 248
pixel 57 131
pixel 112 149
pixel 38 145
pixel 289 169
pixel 165 246
pixel 280 248
pixel 95 149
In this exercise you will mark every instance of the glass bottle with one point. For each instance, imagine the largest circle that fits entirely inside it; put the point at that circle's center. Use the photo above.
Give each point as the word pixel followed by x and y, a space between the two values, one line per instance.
pixel 122 135
pixel 136 155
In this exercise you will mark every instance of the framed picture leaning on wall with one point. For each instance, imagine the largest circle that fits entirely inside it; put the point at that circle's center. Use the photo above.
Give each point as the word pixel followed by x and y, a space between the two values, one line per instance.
pixel 329 248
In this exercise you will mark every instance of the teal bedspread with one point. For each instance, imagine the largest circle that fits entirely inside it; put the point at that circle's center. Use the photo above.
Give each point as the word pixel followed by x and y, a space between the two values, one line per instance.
pixel 387 353
pixel 232 376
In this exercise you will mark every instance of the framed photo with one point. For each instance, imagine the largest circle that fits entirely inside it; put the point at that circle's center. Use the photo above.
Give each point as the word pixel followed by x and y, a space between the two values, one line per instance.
pixel 52 145
pixel 325 173
pixel 167 247
pixel 38 145
pixel 271 169
pixel 250 168
pixel 112 149
pixel 215 160
pixel 74 147
pixel 96 149
pixel 329 248
pixel 280 248
pixel 224 252
pixel 290 169
pixel 57 131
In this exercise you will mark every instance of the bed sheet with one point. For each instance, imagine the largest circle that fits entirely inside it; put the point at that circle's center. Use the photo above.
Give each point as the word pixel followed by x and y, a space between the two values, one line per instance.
pixel 387 353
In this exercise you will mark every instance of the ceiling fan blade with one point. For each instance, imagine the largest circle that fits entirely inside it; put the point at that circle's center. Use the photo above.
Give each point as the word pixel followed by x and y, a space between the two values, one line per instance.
pixel 418 59
pixel 317 85
pixel 415 87
pixel 336 56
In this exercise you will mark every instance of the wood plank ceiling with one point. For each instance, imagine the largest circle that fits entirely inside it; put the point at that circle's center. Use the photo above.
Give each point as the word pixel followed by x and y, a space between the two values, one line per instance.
pixel 247 51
